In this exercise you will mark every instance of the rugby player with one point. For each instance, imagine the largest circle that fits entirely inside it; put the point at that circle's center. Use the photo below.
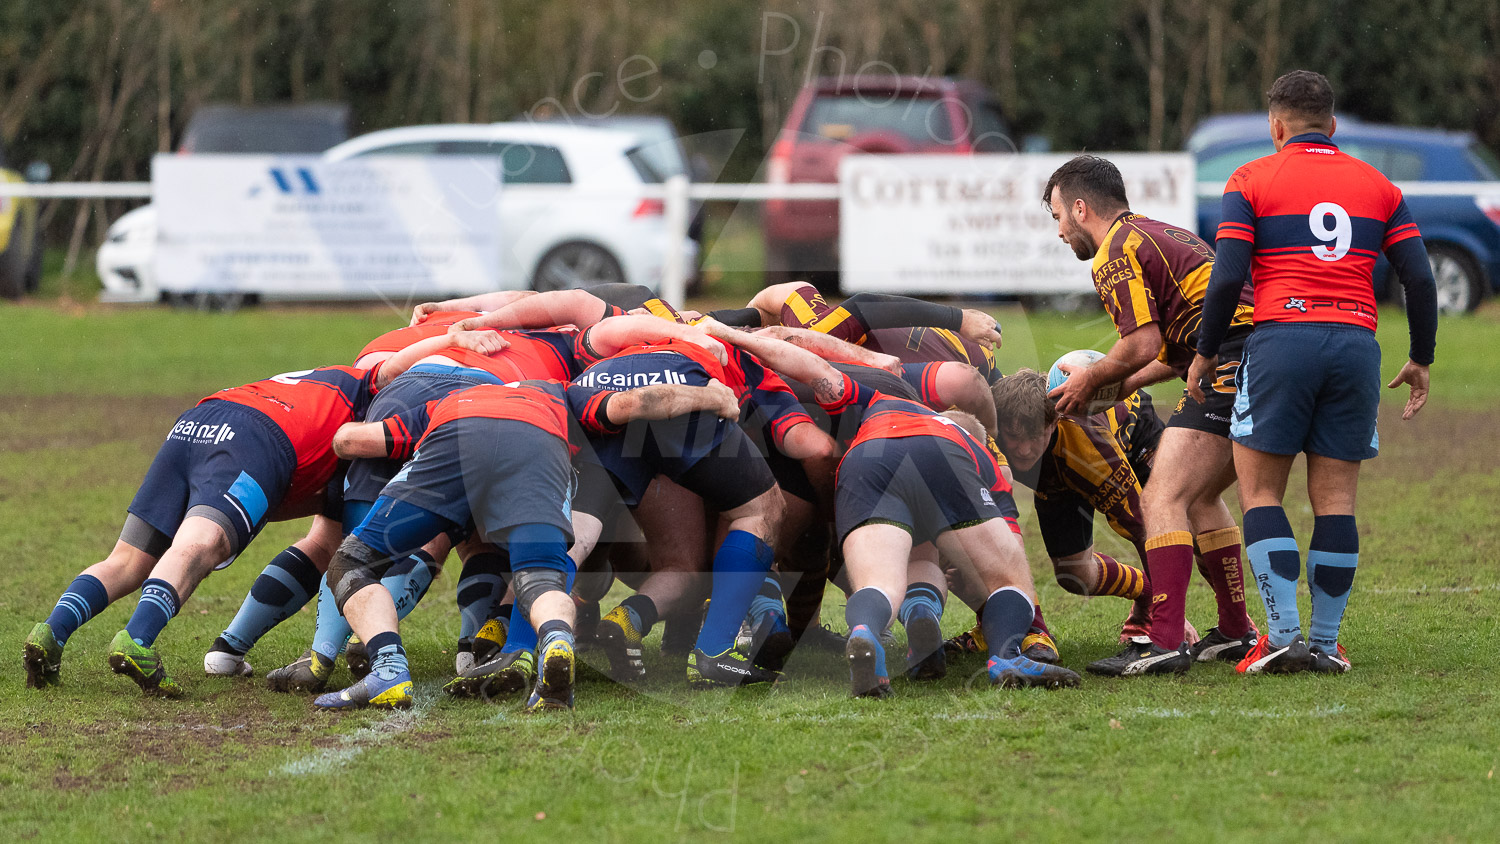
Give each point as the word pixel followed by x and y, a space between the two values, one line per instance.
pixel 914 476
pixel 498 456
pixel 243 456
pixel 1151 277
pixel 1308 223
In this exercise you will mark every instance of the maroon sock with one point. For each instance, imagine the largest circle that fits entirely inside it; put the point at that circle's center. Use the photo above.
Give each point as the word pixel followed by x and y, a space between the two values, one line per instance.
pixel 1170 558
pixel 1222 564
pixel 1038 623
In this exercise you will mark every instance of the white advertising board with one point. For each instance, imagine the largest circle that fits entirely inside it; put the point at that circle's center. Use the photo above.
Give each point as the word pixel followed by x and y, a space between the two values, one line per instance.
pixel 301 226
pixel 976 224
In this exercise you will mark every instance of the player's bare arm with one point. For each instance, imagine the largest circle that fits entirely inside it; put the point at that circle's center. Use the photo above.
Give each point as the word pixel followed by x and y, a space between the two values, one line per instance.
pixel 829 347
pixel 542 310
pixel 360 439
pixel 608 337
pixel 664 401
pixel 1129 355
pixel 483 342
pixel 826 382
pixel 481 302
pixel 1154 372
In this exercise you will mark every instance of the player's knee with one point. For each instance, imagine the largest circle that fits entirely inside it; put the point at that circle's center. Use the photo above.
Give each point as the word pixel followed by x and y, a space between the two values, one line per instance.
pixel 354 566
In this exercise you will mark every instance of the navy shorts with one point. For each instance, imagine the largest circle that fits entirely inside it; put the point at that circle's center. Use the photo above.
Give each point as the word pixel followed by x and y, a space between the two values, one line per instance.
pixel 1214 414
pixel 417 386
pixel 1309 387
pixel 710 457
pixel 926 484
pixel 497 473
pixel 223 461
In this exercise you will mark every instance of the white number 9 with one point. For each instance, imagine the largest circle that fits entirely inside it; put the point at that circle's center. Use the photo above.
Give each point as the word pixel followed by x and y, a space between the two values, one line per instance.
pixel 1341 234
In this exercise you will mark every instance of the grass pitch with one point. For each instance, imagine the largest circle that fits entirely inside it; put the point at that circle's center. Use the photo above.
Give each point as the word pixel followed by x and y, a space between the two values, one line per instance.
pixel 1403 747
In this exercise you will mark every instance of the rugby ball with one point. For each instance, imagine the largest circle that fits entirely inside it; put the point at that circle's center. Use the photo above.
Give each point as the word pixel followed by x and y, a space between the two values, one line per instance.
pixel 1101 400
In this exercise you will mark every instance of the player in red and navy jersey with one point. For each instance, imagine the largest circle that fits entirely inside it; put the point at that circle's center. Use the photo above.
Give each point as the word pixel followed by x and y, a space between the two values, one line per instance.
pixel 1306 225
pixel 240 458
pixel 914 476
pixel 494 459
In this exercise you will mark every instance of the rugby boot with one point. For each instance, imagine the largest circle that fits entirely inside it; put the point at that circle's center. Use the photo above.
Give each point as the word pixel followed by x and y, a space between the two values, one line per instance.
pixel 42 656
pixel 1018 672
pixel 1266 658
pixel 1039 647
pixel 554 679
pixel 925 658
pixel 506 674
pixel 357 657
pixel 867 674
pixel 726 670
pixel 220 663
pixel 309 673
pixel 970 641
pixel 1217 646
pixel 142 665
pixel 371 692
pixel 771 641
pixel 1140 656
pixel 621 642
pixel 1329 663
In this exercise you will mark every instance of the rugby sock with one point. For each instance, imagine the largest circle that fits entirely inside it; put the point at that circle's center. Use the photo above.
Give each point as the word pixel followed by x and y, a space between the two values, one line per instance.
pixel 1331 561
pixel 480 585
pixel 408 579
pixel 1272 550
pixel 1118 579
pixel 286 585
pixel 1219 562
pixel 1170 558
pixel 330 630
pixel 158 604
pixel 739 568
pixel 769 598
pixel 521 636
pixel 553 631
pixel 1005 618
pixel 387 656
pixel 86 597
pixel 1038 623
pixel 870 608
pixel 922 599
pixel 642 612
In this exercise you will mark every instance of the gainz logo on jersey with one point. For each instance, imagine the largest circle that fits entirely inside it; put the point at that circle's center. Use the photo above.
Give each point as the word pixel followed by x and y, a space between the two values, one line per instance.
pixel 201 433
pixel 629 380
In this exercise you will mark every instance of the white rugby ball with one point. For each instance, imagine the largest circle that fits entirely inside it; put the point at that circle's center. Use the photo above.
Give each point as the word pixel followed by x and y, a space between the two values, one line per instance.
pixel 1103 398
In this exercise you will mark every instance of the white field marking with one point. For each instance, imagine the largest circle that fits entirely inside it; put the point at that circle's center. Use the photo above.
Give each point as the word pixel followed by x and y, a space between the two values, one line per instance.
pixel 1425 589
pixel 1315 712
pixel 332 758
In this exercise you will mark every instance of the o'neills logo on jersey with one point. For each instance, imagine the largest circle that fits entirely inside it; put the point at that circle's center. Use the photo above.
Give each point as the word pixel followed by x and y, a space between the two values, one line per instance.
pixel 629 380
pixel 200 433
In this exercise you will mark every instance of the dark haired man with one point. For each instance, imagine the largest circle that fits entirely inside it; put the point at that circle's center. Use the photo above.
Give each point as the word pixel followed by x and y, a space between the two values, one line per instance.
pixel 1308 221
pixel 1151 277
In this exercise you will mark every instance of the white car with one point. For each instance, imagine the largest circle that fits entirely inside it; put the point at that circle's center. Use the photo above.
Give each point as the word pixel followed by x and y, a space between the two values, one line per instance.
pixel 573 210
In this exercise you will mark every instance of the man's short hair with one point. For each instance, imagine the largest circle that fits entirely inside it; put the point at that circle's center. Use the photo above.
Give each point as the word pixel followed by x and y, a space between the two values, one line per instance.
pixel 969 423
pixel 1021 402
pixel 1095 180
pixel 1304 94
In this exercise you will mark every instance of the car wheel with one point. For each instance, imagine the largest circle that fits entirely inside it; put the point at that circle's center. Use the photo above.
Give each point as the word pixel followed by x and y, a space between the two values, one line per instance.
pixel 1459 284
pixel 574 265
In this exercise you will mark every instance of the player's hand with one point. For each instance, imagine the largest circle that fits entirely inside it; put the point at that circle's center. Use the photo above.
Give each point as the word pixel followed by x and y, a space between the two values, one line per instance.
pixel 729 404
pixel 483 342
pixel 1417 376
pixel 422 311
pixel 981 328
pixel 690 317
pixel 1073 395
pixel 712 327
pixel 890 363
pixel 1200 369
pixel 714 347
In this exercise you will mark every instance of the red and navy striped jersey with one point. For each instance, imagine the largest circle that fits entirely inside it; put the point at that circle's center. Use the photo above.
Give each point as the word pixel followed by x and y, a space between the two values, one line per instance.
pixel 1318 218
pixel 544 355
pixel 309 406
pixel 554 407
pixel 434 325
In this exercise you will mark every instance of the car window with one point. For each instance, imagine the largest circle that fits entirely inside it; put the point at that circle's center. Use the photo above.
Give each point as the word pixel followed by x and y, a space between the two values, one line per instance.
pixel 520 164
pixel 1486 165
pixel 1219 166
pixel 409 148
pixel 644 167
pixel 921 120
pixel 990 132
pixel 1401 165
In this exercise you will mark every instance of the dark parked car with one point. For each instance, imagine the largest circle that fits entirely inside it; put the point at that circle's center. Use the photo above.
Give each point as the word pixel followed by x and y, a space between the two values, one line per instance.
pixel 276 129
pixel 835 116
pixel 1462 232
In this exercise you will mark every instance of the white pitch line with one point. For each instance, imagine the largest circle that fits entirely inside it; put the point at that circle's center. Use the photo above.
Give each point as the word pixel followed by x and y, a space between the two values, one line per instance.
pixel 1315 712
pixel 332 758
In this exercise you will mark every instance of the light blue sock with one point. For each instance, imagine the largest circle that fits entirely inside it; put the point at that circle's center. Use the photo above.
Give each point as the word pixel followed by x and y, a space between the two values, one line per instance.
pixel 769 599
pixel 1331 561
pixel 330 631
pixel 1272 550
pixel 407 581
pixel 285 586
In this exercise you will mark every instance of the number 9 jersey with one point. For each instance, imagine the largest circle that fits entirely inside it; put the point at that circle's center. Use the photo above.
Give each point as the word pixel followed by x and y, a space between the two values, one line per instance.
pixel 1317 218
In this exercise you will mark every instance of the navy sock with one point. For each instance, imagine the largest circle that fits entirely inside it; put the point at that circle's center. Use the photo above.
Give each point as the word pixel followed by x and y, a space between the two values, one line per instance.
pixel 739 568
pixel 158 604
pixel 387 656
pixel 1272 550
pixel 86 597
pixel 768 600
pixel 642 611
pixel 922 599
pixel 555 630
pixel 480 585
pixel 1331 561
pixel 868 607
pixel 286 585
pixel 1005 619
pixel 521 636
